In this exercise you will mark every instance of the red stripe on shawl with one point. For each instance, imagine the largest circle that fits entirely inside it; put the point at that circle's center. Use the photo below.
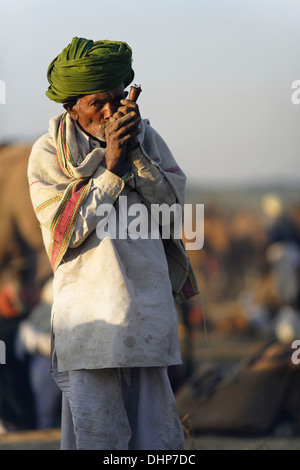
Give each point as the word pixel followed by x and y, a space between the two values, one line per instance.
pixel 189 289
pixel 43 182
pixel 63 225
pixel 173 169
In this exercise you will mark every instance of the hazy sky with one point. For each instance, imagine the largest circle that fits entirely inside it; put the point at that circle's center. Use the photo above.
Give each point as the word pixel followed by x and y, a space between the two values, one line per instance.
pixel 216 76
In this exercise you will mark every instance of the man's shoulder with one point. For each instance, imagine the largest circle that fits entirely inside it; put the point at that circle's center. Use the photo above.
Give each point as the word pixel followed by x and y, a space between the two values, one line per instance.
pixel 147 131
pixel 149 136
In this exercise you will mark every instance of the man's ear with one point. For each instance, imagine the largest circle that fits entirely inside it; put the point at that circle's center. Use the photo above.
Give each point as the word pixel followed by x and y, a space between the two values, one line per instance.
pixel 71 108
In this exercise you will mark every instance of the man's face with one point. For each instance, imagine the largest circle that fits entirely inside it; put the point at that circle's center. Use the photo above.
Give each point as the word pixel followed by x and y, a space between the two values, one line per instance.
pixel 93 112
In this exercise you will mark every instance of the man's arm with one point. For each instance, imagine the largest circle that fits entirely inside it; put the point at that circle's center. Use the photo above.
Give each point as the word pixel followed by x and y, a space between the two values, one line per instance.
pixel 158 177
pixel 49 187
pixel 120 133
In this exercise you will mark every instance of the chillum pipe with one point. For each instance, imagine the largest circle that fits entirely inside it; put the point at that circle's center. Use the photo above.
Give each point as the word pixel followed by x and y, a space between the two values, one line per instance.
pixel 134 92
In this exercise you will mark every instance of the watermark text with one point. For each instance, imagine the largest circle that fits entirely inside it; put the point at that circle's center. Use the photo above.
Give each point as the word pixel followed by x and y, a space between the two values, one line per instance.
pixel 296 354
pixel 137 221
pixel 296 94
pixel 2 92
pixel 2 352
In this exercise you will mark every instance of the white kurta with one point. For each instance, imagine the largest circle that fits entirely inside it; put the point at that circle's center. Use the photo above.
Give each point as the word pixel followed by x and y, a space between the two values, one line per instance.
pixel 121 288
pixel 113 302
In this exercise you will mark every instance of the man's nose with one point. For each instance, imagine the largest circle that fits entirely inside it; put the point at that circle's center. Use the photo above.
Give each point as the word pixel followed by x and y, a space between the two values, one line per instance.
pixel 109 110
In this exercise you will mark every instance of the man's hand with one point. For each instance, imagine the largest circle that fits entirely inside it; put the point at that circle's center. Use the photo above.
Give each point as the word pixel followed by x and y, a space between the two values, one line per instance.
pixel 121 134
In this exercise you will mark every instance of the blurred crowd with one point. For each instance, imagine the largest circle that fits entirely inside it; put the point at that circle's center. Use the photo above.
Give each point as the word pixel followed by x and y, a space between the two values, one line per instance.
pixel 28 397
pixel 248 272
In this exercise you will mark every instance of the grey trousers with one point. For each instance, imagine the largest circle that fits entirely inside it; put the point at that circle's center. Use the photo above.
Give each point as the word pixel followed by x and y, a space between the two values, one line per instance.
pixel 118 409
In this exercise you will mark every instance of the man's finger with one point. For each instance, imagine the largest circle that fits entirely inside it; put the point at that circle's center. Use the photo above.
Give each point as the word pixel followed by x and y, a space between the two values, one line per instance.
pixel 126 138
pixel 129 127
pixel 120 122
pixel 130 103
pixel 128 106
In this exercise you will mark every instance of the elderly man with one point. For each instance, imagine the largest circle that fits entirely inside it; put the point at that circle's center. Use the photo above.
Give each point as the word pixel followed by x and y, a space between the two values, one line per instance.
pixel 114 321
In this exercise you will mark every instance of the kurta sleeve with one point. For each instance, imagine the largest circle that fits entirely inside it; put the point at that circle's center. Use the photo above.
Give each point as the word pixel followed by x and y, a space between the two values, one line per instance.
pixel 65 196
pixel 158 178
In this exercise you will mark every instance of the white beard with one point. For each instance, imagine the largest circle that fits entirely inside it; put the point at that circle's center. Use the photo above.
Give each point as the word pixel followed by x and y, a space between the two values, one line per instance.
pixel 100 134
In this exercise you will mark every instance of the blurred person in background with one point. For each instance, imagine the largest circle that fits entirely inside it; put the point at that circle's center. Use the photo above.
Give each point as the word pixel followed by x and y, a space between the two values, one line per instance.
pixel 17 410
pixel 33 341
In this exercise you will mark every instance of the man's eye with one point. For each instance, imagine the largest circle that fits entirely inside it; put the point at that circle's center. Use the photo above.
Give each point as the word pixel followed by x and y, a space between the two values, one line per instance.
pixel 97 104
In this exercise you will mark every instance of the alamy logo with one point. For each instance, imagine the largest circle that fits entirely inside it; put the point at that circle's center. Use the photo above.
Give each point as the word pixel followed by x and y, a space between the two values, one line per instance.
pixel 138 221
pixel 296 93
pixel 296 354
pixel 2 92
pixel 2 353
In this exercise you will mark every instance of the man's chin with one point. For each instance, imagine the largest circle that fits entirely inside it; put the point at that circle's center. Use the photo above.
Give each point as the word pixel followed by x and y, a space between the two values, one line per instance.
pixel 100 134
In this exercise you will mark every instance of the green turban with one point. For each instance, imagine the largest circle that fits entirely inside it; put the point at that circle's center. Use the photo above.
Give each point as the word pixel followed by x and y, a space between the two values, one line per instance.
pixel 85 67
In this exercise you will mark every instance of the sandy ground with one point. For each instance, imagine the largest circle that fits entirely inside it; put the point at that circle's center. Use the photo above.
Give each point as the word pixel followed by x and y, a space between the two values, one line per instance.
pixel 49 440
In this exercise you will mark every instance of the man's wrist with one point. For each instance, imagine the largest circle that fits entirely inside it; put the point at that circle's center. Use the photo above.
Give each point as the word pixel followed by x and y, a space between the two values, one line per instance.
pixel 134 153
